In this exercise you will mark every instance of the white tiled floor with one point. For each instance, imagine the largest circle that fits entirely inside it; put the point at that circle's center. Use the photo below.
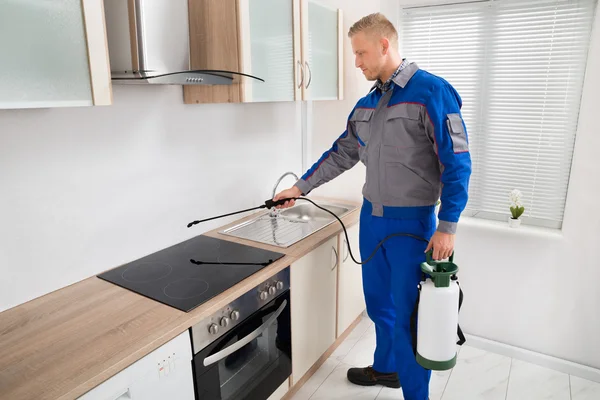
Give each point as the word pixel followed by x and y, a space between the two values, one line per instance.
pixel 478 375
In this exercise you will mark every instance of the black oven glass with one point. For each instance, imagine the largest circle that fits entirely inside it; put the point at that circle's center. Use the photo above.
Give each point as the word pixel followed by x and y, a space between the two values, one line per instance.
pixel 252 360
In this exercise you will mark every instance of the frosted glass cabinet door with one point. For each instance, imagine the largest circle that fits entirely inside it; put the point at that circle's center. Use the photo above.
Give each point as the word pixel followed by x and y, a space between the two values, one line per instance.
pixel 323 66
pixel 268 49
pixel 44 53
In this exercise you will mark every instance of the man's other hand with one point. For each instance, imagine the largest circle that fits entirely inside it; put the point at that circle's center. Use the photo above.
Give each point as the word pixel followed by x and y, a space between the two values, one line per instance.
pixel 442 244
pixel 286 194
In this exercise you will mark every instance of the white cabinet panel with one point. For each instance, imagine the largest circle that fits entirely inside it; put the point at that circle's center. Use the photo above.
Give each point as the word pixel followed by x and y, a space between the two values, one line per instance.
pixel 351 299
pixel 323 52
pixel 313 306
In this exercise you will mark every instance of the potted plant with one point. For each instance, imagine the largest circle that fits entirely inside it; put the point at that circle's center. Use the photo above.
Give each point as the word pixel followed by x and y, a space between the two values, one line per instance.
pixel 516 208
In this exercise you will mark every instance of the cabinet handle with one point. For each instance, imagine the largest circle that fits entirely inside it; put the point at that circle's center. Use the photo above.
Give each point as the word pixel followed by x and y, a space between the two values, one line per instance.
pixel 301 67
pixel 309 74
pixel 347 246
pixel 337 260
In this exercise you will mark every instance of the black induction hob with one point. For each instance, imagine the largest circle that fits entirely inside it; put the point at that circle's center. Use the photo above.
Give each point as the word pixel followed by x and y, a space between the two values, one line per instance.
pixel 192 272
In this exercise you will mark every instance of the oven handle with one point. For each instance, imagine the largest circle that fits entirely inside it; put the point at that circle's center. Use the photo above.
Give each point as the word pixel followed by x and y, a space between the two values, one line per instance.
pixel 247 339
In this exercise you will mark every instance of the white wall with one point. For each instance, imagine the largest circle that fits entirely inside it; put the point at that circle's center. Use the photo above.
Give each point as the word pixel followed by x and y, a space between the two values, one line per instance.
pixel 87 189
pixel 531 288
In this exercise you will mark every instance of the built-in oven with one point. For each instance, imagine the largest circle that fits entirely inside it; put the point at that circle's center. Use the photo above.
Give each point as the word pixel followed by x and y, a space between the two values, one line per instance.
pixel 243 351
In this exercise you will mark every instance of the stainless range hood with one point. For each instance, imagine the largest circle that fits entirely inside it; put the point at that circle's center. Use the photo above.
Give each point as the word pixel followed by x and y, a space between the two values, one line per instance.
pixel 148 43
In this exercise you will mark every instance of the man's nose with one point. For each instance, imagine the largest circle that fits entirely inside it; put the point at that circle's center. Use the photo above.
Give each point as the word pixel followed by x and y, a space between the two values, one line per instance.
pixel 357 62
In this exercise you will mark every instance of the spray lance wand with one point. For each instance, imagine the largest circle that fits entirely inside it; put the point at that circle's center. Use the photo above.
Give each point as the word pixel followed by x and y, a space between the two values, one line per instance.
pixel 438 302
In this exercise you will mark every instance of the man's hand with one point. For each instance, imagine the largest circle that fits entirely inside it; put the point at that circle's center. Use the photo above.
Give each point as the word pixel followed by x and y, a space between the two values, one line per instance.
pixel 286 194
pixel 442 244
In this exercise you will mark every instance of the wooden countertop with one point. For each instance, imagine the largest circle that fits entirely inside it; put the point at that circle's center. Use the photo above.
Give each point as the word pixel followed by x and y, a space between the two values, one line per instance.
pixel 63 344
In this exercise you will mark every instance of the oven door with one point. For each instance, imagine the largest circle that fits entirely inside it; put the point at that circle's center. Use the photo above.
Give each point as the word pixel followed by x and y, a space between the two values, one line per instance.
pixel 252 360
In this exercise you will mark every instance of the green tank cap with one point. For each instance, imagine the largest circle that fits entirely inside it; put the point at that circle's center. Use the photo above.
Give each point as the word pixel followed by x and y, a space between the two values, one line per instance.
pixel 440 271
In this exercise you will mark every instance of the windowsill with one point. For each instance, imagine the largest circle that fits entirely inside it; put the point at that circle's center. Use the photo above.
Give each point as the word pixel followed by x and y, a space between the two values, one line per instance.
pixel 502 227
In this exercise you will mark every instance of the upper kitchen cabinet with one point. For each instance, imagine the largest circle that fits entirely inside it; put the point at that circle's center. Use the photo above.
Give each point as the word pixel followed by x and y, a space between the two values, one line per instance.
pixel 269 49
pixel 295 46
pixel 53 54
pixel 322 55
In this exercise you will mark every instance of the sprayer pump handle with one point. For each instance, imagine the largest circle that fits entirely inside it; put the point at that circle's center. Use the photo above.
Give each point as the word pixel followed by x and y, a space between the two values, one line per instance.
pixel 430 260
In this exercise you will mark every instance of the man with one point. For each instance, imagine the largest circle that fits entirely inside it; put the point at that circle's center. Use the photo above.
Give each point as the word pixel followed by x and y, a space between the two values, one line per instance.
pixel 409 133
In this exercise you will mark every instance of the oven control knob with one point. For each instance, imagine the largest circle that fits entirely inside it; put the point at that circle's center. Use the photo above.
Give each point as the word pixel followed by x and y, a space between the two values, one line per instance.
pixel 272 290
pixel 213 329
pixel 263 295
pixel 279 285
pixel 224 322
pixel 235 315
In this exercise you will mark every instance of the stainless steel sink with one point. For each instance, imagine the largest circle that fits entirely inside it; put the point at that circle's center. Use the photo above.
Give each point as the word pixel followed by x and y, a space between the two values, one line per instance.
pixel 308 212
pixel 283 228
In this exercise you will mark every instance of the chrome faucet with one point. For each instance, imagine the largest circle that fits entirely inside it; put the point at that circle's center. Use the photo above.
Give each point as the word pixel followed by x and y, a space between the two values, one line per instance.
pixel 275 212
pixel 280 179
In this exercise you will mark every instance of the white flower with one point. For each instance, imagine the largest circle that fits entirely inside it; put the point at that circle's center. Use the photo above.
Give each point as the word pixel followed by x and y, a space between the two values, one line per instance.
pixel 515 197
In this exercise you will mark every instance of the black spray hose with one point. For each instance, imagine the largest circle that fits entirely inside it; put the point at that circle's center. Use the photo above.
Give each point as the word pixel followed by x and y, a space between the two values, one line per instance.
pixel 272 203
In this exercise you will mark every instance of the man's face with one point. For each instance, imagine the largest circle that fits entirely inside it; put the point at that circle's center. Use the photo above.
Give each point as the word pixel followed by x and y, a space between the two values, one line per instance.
pixel 368 55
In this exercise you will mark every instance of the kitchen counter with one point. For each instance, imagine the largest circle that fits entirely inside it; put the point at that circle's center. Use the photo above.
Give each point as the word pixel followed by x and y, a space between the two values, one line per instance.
pixel 61 345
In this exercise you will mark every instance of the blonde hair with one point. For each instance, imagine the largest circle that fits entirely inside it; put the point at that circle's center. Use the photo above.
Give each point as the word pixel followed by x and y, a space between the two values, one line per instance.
pixel 377 24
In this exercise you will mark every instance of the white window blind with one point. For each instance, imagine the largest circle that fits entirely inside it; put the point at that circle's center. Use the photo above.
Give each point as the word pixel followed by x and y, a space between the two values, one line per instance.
pixel 519 67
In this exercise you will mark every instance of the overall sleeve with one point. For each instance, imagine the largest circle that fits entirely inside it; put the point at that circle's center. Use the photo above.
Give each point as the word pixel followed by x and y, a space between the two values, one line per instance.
pixel 449 133
pixel 342 156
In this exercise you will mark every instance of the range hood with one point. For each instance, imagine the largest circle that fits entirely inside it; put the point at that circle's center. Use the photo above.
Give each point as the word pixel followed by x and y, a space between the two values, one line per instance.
pixel 148 43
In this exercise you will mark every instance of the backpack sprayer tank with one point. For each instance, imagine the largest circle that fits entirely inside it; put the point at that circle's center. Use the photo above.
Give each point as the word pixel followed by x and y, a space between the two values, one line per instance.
pixel 439 302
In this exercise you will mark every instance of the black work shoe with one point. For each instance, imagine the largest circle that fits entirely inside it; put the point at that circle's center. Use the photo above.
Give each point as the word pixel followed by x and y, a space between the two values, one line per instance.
pixel 369 377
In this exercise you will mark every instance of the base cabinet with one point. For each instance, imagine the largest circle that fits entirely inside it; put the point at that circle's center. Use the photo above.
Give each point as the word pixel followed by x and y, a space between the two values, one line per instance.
pixel 313 306
pixel 351 299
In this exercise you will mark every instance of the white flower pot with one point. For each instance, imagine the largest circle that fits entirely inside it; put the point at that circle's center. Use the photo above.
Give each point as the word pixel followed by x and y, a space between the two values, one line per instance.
pixel 514 223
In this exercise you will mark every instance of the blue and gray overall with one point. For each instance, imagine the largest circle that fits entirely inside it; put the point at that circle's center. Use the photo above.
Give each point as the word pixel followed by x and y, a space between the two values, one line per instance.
pixel 414 144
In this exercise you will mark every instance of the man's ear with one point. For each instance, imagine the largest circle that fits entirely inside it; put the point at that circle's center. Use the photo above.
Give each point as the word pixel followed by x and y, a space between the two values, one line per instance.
pixel 385 46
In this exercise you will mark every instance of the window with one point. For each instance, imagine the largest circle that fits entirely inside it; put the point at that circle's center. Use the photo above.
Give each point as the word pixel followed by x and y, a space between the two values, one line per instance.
pixel 519 67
